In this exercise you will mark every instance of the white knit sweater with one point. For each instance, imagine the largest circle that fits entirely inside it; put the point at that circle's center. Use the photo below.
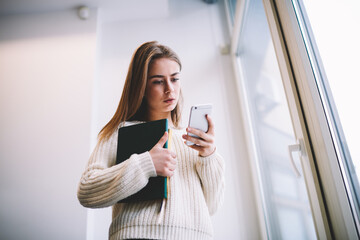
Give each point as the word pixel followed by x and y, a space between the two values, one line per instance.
pixel 196 191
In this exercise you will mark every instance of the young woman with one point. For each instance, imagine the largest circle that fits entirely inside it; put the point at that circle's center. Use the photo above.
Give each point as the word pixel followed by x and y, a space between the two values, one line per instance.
pixel 152 92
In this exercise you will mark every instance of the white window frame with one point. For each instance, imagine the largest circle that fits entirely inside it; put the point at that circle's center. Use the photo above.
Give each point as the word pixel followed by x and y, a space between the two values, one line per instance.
pixel 329 201
pixel 326 170
pixel 235 30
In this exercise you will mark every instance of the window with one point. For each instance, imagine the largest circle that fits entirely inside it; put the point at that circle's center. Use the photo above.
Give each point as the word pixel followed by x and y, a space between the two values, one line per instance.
pixel 232 10
pixel 285 201
pixel 295 59
pixel 333 48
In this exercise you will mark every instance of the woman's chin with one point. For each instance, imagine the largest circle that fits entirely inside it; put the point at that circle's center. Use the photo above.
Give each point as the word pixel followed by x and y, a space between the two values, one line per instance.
pixel 170 108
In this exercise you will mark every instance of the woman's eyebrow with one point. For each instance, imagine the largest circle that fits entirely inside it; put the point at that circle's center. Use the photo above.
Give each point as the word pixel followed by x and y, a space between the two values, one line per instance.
pixel 156 76
pixel 161 76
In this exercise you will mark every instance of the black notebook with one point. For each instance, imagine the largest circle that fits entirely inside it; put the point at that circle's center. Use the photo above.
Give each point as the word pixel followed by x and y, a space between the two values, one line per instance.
pixel 140 138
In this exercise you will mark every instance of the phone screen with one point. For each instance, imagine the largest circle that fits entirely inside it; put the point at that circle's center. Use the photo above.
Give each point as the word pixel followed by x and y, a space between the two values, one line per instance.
pixel 198 119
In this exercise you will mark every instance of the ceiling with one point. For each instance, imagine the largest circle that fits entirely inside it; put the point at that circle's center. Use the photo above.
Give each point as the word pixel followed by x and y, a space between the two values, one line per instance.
pixel 10 7
pixel 117 7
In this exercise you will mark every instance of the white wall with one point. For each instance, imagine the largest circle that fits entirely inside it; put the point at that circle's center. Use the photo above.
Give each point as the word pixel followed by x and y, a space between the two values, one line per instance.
pixel 46 75
pixel 49 102
pixel 195 30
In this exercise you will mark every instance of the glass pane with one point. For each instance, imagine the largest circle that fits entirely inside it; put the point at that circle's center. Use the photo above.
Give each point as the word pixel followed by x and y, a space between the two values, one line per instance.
pixel 285 199
pixel 333 38
pixel 232 9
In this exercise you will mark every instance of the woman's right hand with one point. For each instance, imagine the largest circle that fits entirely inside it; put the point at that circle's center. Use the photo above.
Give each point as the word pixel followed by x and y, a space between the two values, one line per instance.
pixel 164 160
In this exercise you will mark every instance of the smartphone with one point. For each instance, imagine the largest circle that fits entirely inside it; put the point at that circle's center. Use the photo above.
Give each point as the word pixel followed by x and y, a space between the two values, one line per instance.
pixel 198 119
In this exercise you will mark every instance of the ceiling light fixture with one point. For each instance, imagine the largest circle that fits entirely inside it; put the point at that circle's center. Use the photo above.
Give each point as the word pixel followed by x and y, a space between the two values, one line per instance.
pixel 83 12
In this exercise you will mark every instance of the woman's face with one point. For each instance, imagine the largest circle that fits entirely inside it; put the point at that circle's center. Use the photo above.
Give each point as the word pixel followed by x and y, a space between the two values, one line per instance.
pixel 162 88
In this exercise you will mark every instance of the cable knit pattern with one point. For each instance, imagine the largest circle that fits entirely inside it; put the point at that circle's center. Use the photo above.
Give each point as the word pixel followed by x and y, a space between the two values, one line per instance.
pixel 196 191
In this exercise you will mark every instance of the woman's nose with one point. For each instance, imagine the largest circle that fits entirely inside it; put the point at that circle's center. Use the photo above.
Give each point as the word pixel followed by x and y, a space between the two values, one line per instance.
pixel 169 86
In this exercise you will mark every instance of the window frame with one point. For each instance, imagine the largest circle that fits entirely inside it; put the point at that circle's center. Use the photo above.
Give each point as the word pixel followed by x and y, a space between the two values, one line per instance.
pixel 235 30
pixel 329 201
pixel 326 170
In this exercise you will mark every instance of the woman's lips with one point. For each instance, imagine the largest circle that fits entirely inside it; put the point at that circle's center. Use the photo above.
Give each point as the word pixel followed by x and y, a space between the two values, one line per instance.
pixel 170 100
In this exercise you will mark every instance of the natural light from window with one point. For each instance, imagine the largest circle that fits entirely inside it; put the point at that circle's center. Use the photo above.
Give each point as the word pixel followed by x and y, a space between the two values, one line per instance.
pixel 335 25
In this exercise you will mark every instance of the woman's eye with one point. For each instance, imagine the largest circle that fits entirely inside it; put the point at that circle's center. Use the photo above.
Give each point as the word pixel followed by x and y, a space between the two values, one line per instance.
pixel 175 79
pixel 158 82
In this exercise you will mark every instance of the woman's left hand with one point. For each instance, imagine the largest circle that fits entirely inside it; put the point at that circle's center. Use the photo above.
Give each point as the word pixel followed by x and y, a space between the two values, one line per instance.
pixel 205 145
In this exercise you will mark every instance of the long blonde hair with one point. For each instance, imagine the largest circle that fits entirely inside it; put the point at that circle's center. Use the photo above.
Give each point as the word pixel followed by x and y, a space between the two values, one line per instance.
pixel 132 106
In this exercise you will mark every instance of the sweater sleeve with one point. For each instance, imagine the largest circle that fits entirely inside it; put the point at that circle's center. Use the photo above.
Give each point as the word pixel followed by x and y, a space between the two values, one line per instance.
pixel 211 171
pixel 103 184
